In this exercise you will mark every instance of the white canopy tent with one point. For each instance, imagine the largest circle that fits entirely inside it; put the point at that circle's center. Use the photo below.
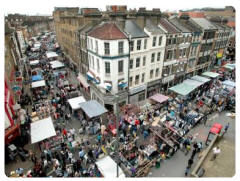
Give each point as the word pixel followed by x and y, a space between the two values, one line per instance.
pixel 51 54
pixel 41 130
pixel 40 83
pixel 75 102
pixel 56 64
pixel 34 62
pixel 108 167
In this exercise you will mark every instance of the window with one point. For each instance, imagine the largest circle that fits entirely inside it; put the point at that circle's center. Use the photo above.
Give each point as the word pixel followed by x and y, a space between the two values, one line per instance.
pixel 120 47
pixel 157 72
pixel 93 62
pixel 139 45
pixel 90 63
pixel 91 43
pixel 106 48
pixel 174 54
pixel 184 52
pixel 141 97
pixel 145 43
pixel 137 62
pixel 136 79
pixel 158 56
pixel 120 66
pixel 153 57
pixel 130 81
pixel 151 74
pixel 180 52
pixel 131 64
pixel 154 41
pixel 131 45
pixel 107 68
pixel 160 41
pixel 169 54
pixel 144 60
pixel 96 46
pixel 98 66
pixel 143 76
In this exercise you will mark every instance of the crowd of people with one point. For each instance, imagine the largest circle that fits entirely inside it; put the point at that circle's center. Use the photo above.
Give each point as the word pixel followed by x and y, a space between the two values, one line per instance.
pixel 69 154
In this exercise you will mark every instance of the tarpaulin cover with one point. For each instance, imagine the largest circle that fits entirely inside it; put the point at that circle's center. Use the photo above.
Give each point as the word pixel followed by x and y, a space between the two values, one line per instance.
pixel 56 64
pixel 193 82
pixel 83 81
pixel 51 54
pixel 36 77
pixel 75 102
pixel 34 62
pixel 200 78
pixel 40 83
pixel 229 83
pixel 41 130
pixel 211 74
pixel 159 98
pixel 108 167
pixel 183 89
pixel 92 108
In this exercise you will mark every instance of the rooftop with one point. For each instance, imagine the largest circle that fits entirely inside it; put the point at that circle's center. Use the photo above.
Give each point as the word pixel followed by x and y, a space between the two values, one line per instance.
pixel 134 30
pixel 153 28
pixel 204 23
pixel 169 27
pixel 107 31
pixel 179 25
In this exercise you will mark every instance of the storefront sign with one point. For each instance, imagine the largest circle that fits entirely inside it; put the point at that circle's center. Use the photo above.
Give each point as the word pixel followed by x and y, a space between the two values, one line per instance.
pixel 167 79
pixel 137 89
pixel 169 62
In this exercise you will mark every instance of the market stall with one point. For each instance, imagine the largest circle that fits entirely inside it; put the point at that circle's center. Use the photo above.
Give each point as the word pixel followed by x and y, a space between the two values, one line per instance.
pixel 34 62
pixel 37 84
pixel 108 168
pixel 75 103
pixel 229 83
pixel 56 64
pixel 183 89
pixel 211 74
pixel 200 79
pixel 37 78
pixel 51 55
pixel 42 129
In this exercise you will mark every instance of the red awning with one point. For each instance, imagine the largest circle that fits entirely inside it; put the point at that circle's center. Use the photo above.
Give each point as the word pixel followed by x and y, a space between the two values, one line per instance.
pixel 12 133
pixel 159 98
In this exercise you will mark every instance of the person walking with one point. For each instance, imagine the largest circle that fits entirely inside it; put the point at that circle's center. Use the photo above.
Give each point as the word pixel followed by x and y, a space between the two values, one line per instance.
pixel 226 128
pixel 187 171
pixel 190 162
pixel 216 152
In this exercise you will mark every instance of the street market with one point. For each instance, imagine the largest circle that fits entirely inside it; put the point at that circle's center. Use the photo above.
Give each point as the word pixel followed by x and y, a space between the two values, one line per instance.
pixel 139 139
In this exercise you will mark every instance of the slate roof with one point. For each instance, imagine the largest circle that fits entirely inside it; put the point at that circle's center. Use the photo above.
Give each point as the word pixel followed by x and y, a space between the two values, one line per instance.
pixel 153 28
pixel 107 31
pixel 204 23
pixel 134 30
pixel 191 26
pixel 179 25
pixel 169 27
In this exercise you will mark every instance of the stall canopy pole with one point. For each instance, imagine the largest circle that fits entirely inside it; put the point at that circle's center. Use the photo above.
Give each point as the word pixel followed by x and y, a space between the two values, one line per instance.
pixel 117 126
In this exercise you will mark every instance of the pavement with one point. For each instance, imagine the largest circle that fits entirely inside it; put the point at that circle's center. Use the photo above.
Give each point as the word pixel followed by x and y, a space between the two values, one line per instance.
pixel 223 166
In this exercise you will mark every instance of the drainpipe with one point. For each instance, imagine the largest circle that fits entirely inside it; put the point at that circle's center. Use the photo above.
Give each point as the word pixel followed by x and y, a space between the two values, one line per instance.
pixel 129 41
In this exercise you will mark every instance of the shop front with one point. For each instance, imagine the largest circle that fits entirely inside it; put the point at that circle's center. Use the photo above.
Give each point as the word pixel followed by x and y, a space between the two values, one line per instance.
pixel 167 82
pixel 137 94
pixel 153 87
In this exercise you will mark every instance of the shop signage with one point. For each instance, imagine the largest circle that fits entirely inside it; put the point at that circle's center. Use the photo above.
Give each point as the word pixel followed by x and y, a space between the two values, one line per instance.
pixel 167 79
pixel 137 89
pixel 169 62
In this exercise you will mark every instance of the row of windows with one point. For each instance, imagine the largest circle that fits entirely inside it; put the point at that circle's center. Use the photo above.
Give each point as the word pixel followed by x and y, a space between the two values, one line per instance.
pixel 220 44
pixel 172 69
pixel 224 34
pixel 138 60
pixel 107 65
pixel 137 77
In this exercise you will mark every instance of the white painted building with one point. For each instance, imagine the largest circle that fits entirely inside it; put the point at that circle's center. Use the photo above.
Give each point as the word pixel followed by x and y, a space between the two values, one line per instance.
pixel 108 56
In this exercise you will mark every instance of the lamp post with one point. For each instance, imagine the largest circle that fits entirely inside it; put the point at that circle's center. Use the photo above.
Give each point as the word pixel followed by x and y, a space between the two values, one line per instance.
pixel 117 128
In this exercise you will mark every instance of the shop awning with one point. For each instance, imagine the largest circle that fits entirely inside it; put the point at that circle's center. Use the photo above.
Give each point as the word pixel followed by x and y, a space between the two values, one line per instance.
pixel 183 89
pixel 56 64
pixel 90 76
pixel 108 167
pixel 76 102
pixel 229 83
pixel 51 54
pixel 106 86
pixel 34 62
pixel 40 83
pixel 193 82
pixel 159 98
pixel 122 84
pixel 93 108
pixel 41 130
pixel 200 78
pixel 36 78
pixel 228 66
pixel 211 74
pixel 83 81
